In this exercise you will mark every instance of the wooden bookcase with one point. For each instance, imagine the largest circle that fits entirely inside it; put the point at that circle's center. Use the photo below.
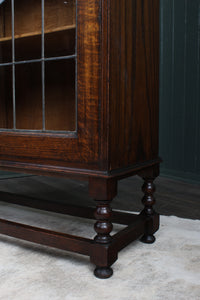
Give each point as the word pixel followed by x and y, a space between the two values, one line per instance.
pixel 79 98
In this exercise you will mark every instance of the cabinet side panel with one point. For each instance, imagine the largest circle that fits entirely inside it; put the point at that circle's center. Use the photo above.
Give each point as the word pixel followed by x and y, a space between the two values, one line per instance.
pixel 134 84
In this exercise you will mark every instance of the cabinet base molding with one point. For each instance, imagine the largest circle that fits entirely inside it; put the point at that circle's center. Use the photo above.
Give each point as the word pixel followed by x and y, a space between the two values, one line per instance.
pixel 79 172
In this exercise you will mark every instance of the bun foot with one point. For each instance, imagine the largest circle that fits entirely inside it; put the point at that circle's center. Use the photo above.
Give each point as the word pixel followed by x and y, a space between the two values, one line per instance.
pixel 148 239
pixel 103 272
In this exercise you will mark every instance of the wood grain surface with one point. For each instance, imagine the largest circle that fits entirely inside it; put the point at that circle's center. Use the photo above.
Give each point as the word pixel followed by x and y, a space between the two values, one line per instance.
pixel 134 86
pixel 117 97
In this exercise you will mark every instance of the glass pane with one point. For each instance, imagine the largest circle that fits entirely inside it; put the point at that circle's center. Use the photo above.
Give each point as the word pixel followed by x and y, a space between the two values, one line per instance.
pixel 60 95
pixel 53 99
pixel 28 93
pixel 6 106
pixel 59 27
pixel 28 29
pixel 5 31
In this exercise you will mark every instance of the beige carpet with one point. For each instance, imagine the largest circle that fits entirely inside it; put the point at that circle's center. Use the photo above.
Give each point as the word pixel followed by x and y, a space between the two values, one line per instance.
pixel 168 269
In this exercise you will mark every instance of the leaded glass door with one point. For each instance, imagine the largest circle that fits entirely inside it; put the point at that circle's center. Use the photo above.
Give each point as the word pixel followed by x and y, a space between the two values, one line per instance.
pixel 51 95
pixel 38 65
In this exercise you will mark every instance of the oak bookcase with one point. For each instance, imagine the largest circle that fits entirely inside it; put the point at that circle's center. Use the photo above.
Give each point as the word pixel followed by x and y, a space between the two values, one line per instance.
pixel 79 96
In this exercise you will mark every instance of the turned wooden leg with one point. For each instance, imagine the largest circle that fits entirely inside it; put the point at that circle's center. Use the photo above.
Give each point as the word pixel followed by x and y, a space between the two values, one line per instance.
pixel 103 257
pixel 103 227
pixel 148 200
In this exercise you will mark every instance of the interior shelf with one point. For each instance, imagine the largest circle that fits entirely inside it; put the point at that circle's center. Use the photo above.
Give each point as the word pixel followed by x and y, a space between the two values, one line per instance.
pixel 57 42
pixel 36 33
pixel 43 94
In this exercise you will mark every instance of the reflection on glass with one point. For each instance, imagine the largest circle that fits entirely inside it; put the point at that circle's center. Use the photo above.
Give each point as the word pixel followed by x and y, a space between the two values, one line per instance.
pixel 5 31
pixel 59 27
pixel 28 93
pixel 28 29
pixel 6 107
pixel 60 95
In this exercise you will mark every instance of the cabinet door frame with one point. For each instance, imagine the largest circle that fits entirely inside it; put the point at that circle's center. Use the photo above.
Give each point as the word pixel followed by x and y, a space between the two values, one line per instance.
pixel 85 149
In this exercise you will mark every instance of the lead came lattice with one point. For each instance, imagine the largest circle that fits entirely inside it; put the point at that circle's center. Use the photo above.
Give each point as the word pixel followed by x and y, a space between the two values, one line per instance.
pixel 54 115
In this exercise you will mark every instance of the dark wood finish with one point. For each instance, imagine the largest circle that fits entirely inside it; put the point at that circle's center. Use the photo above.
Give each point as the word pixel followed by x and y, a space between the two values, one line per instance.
pixel 6 111
pixel 175 197
pixel 101 254
pixel 103 226
pixel 148 200
pixel 59 42
pixel 134 74
pixel 46 237
pixel 30 13
pixel 103 191
pixel 103 273
pixel 83 174
pixel 28 96
pixel 117 121
pixel 105 114
pixel 130 233
pixel 60 95
pixel 63 208
pixel 80 150
pixel 102 188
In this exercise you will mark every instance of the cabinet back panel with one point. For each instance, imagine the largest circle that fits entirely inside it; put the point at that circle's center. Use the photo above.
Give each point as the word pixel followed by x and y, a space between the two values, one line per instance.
pixel 59 13
pixel 60 95
pixel 5 25
pixel 28 95
pixel 6 107
pixel 5 19
pixel 134 73
pixel 38 86
pixel 28 16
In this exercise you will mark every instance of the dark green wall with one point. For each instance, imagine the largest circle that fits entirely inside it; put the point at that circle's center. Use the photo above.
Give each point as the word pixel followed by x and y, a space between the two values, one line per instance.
pixel 180 88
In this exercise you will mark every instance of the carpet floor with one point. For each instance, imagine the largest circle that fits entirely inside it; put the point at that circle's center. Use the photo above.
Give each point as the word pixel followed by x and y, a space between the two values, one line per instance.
pixel 168 269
